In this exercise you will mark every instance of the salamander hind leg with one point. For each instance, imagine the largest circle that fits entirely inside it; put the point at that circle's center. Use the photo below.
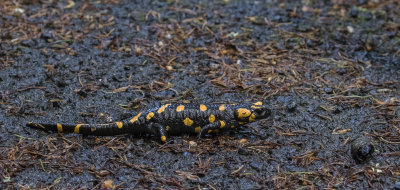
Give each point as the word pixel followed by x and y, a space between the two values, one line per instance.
pixel 210 127
pixel 158 130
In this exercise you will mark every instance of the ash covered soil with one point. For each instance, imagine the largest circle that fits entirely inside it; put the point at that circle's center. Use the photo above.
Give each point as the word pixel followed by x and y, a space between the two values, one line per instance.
pixel 330 71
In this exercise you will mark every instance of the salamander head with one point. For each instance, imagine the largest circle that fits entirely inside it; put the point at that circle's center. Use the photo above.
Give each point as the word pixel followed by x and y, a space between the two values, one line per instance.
pixel 247 113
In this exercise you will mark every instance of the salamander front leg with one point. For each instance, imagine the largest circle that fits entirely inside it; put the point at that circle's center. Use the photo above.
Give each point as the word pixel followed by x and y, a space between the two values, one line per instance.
pixel 159 130
pixel 210 127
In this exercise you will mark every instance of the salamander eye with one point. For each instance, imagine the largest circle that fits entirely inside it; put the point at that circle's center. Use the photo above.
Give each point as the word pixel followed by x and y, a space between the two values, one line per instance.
pixel 262 113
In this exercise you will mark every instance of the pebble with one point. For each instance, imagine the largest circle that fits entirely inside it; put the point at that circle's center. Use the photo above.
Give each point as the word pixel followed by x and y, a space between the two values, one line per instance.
pixel 362 149
pixel 354 13
pixel 256 165
pixel 291 106
pixel 397 185
pixel 328 90
pixel 47 35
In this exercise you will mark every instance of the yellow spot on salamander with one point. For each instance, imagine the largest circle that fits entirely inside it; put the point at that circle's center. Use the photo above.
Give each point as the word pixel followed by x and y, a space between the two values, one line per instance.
pixel 163 138
pixel 149 115
pixel 203 107
pixel 252 117
pixel 119 124
pixel 241 122
pixel 222 107
pixel 243 112
pixel 258 103
pixel 180 108
pixel 209 131
pixel 167 128
pixel 233 126
pixel 59 128
pixel 222 124
pixel 76 129
pixel 197 129
pixel 188 122
pixel 163 108
pixel 211 118
pixel 136 117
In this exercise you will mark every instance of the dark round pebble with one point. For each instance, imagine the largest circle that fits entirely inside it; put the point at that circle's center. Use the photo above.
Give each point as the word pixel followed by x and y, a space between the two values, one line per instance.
pixel 362 149
pixel 47 35
pixel 354 12
pixel 291 106
pixel 328 90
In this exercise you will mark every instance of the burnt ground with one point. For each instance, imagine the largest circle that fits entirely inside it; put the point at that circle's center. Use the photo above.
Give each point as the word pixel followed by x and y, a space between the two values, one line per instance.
pixel 329 69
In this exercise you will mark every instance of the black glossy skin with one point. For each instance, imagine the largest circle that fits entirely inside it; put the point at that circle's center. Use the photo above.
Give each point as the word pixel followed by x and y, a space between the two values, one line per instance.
pixel 172 119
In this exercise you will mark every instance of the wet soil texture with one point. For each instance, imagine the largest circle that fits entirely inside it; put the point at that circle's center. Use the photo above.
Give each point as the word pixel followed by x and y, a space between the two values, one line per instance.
pixel 329 69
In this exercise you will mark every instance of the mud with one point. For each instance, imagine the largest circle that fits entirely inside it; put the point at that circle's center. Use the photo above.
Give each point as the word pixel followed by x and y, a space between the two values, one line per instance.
pixel 329 69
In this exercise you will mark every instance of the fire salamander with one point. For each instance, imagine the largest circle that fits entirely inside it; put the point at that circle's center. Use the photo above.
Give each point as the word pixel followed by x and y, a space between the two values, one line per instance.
pixel 172 119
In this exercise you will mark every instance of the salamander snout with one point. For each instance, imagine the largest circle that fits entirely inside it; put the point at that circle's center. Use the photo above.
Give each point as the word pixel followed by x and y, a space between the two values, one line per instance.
pixel 261 113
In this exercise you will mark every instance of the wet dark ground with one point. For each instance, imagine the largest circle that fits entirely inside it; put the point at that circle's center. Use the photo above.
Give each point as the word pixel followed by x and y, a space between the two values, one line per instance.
pixel 329 69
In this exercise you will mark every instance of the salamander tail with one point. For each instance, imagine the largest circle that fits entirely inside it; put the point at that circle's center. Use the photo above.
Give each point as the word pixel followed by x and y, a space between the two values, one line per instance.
pixel 86 129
